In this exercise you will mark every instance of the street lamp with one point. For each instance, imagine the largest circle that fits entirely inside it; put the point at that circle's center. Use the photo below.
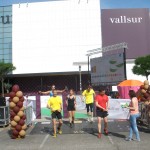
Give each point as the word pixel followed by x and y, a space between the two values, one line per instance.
pixel 79 64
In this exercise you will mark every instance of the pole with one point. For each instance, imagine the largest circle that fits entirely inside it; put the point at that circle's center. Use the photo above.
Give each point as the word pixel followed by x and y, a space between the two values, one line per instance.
pixel 41 83
pixel 124 57
pixel 80 79
pixel 89 70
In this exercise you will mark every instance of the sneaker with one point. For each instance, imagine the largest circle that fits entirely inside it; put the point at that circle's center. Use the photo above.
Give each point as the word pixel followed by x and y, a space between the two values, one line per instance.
pixel 99 135
pixel 92 120
pixel 54 135
pixel 106 131
pixel 59 131
pixel 128 139
pixel 88 120
pixel 137 140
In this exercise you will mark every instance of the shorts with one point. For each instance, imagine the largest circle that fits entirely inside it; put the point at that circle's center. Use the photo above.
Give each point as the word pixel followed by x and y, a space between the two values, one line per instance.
pixel 71 108
pixel 56 115
pixel 101 113
pixel 89 107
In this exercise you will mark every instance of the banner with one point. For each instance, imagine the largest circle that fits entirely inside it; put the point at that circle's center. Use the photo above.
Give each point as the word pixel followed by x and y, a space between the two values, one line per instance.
pixel 80 105
pixel 107 69
pixel 116 110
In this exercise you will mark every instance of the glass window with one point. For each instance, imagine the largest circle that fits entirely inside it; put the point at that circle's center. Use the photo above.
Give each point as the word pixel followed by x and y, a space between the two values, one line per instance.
pixel 5 25
pixel 7 35
pixel 1 52
pixel 1 45
pixel 8 8
pixel 1 36
pixel 1 30
pixel 6 57
pixel 7 46
pixel 6 51
pixel 8 61
pixel 7 29
pixel 7 40
pixel 1 57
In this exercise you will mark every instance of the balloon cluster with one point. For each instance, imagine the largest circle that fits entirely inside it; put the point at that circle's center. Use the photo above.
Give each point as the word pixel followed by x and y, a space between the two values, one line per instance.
pixel 17 115
pixel 145 92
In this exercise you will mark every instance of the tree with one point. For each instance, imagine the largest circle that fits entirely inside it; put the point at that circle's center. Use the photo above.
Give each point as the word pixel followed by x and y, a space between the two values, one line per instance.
pixel 142 66
pixel 5 68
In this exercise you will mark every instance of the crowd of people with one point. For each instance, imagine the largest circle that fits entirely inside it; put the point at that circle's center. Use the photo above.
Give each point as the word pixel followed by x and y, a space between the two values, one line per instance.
pixel 101 101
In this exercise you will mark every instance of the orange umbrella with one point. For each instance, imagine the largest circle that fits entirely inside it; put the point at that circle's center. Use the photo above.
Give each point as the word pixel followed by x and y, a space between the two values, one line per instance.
pixel 126 85
pixel 130 83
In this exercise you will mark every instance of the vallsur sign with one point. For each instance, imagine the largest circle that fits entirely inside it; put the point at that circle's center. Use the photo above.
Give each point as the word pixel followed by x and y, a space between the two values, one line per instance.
pixel 125 19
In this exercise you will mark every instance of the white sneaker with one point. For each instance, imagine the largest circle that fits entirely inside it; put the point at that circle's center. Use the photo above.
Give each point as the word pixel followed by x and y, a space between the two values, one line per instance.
pixel 92 120
pixel 88 120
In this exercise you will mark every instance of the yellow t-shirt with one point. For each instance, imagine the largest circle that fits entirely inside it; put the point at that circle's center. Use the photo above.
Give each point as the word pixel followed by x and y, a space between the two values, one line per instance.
pixel 89 96
pixel 55 103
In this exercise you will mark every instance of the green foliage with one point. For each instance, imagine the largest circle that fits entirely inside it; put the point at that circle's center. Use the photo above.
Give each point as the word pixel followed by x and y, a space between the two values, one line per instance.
pixel 5 68
pixel 142 66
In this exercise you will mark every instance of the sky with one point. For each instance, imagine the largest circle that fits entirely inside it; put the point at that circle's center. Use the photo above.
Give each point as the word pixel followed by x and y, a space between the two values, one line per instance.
pixel 109 4
pixel 105 4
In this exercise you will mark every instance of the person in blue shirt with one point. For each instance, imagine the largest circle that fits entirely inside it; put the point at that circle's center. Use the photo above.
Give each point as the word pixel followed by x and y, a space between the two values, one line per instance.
pixel 50 92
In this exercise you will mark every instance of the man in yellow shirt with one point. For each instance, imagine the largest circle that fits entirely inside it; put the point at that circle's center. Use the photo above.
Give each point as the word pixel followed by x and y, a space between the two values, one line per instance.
pixel 89 95
pixel 55 104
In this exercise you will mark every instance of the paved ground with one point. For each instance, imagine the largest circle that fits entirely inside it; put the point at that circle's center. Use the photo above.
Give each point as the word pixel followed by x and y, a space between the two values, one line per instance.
pixel 115 141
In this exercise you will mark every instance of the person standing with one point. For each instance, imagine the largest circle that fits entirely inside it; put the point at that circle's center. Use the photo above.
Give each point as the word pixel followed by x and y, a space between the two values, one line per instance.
pixel 50 92
pixel 102 105
pixel 89 95
pixel 71 106
pixel 55 104
pixel 134 114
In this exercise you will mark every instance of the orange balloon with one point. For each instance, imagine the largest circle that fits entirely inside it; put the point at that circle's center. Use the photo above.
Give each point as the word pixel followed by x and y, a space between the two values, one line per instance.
pixel 22 108
pixel 12 104
pixel 17 118
pixel 24 127
pixel 15 99
pixel 20 113
pixel 13 123
pixel 19 94
pixel 22 133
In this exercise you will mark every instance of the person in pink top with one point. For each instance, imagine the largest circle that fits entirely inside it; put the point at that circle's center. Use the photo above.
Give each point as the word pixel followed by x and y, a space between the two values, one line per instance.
pixel 134 114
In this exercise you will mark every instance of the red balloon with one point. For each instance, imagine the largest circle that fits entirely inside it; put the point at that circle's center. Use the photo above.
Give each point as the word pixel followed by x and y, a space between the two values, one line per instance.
pixel 142 87
pixel 18 127
pixel 12 94
pixel 10 100
pixel 22 99
pixel 16 109
pixel 12 114
pixel 15 88
pixel 21 122
pixel 143 99
pixel 15 132
pixel 14 136
pixel 146 95
pixel 11 118
pixel 23 117
pixel 20 104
